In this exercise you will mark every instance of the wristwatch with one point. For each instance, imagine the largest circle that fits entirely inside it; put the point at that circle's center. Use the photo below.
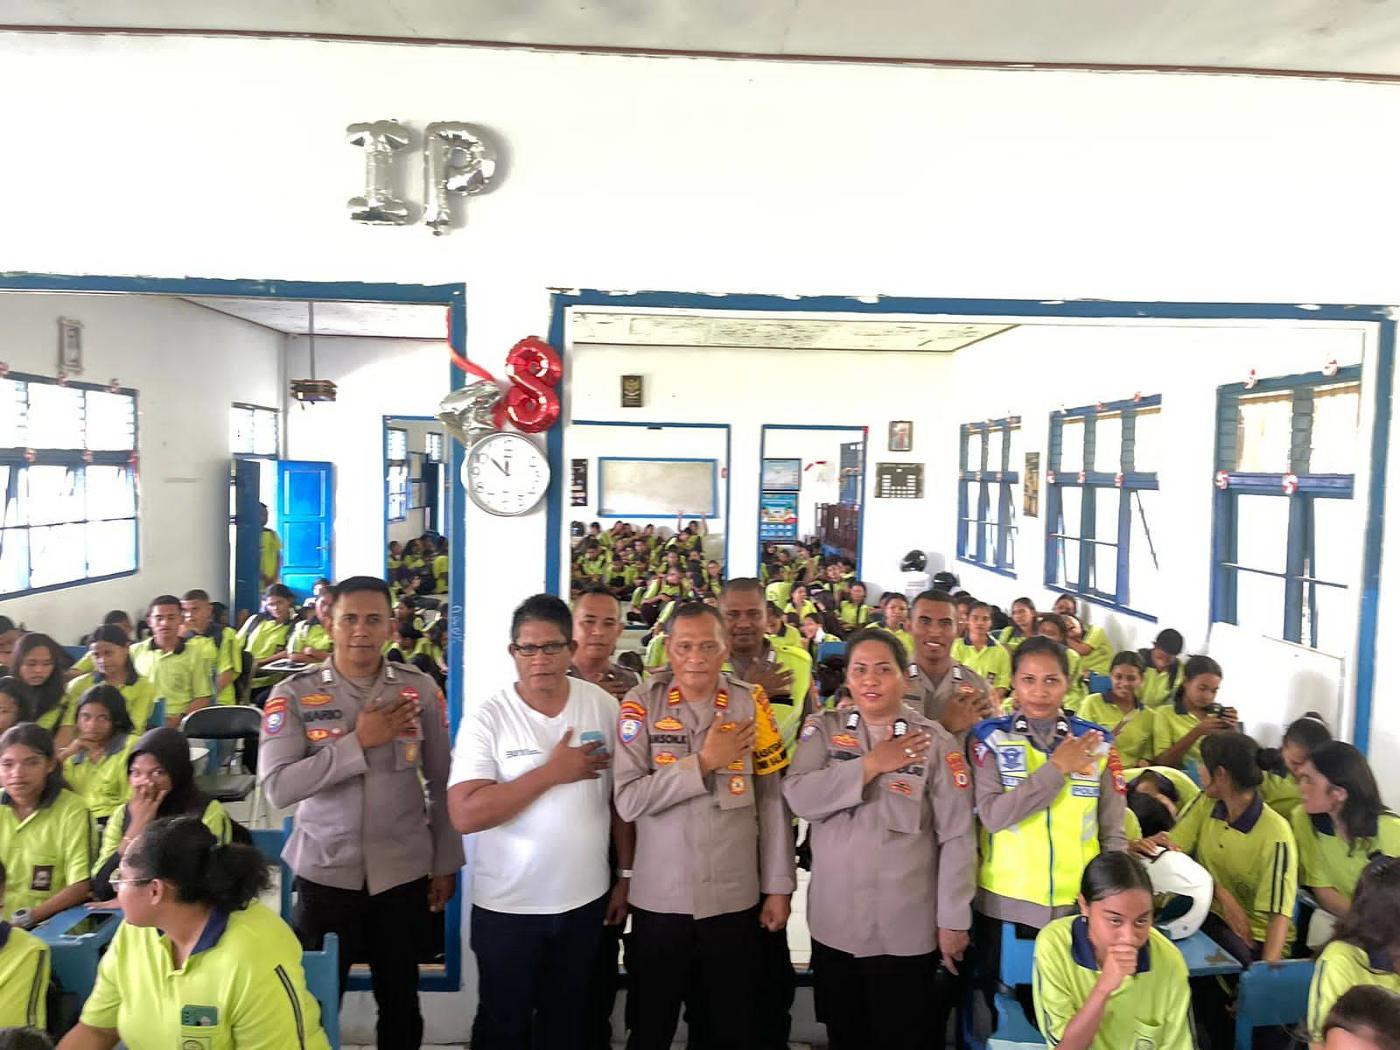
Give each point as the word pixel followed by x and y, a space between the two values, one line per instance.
pixel 624 873
pixel 23 918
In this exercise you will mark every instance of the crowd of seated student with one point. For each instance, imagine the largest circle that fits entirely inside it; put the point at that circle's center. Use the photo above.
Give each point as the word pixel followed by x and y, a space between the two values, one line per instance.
pixel 419 567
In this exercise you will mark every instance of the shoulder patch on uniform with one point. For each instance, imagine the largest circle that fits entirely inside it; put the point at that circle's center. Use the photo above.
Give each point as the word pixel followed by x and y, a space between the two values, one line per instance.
pixel 980 751
pixel 809 729
pixel 958 768
pixel 1115 767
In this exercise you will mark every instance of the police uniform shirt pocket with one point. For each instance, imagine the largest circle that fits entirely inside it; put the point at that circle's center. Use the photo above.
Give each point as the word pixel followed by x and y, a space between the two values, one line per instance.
pixel 734 790
pixel 902 801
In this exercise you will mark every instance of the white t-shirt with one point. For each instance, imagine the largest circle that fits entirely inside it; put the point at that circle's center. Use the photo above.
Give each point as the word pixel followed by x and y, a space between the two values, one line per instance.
pixel 552 856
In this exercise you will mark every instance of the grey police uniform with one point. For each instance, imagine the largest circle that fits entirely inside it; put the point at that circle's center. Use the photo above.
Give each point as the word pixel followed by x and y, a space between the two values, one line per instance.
pixel 892 860
pixel 375 819
pixel 930 697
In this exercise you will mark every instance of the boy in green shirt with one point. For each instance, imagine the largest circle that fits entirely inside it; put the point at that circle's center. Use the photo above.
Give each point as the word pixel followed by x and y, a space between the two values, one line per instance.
pixel 182 673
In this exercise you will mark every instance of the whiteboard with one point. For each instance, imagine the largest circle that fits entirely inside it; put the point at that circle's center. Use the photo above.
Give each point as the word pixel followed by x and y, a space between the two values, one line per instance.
pixel 1272 682
pixel 657 488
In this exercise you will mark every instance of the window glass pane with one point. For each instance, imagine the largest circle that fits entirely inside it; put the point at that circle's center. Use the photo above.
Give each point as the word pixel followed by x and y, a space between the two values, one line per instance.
pixel 14 560
pixel 433 447
pixel 1259 603
pixel 10 506
pixel 995 444
pixel 12 414
pixel 1014 459
pixel 1106 503
pixel 1147 440
pixel 1068 575
pixel 1336 415
pixel 1264 433
pixel 265 421
pixel 991 501
pixel 111 547
pixel 1104 569
pixel 1108 443
pixel 1071 504
pixel 55 416
pixel 1334 611
pixel 240 429
pixel 1334 547
pixel 111 492
pixel 974 450
pixel 1261 524
pixel 1142 552
pixel 53 495
pixel 58 554
pixel 1071 445
pixel 398 444
pixel 111 421
pixel 1010 548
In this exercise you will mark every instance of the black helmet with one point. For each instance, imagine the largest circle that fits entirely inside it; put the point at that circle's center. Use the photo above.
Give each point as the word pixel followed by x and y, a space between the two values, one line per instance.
pixel 945 581
pixel 914 561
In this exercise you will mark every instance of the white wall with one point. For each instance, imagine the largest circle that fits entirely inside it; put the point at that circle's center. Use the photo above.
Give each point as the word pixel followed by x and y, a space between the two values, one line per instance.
pixel 187 364
pixel 414 522
pixel 374 378
pixel 710 175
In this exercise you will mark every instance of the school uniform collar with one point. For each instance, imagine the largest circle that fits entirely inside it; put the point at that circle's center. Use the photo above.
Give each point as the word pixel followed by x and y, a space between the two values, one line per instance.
pixel 1083 952
pixel 1247 819
pixel 1378 960
pixel 1322 823
pixel 114 744
pixel 98 678
pixel 991 641
pixel 158 651
pixel 213 930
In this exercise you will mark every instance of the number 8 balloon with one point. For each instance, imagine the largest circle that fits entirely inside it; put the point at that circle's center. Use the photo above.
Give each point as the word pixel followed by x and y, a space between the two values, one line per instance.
pixel 532 403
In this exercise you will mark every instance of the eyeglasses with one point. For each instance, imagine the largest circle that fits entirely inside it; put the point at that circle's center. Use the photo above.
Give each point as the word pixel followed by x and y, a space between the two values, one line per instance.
pixel 548 648
pixel 117 882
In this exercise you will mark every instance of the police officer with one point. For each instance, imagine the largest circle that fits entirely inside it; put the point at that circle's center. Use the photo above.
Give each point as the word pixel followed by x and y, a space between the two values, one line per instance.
pixel 363 745
pixel 946 691
pixel 888 795
pixel 697 759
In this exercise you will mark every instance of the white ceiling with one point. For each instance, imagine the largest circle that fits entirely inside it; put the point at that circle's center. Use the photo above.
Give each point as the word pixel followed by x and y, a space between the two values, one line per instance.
pixel 383 320
pixel 1352 36
pixel 717 330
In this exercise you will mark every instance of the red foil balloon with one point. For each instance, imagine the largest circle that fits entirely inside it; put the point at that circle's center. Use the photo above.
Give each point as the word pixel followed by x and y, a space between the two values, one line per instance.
pixel 532 403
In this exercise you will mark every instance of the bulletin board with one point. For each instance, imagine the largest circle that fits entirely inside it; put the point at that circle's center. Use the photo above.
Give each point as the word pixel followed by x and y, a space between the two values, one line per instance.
pixel 657 488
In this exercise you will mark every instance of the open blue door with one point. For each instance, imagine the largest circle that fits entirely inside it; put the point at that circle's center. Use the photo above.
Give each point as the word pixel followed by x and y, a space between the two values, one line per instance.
pixel 305 517
pixel 245 530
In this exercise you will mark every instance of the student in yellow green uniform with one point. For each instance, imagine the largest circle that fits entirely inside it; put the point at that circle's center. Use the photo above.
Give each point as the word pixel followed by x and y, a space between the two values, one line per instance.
pixel 782 632
pixel 1179 727
pixel 1173 788
pixel 46 831
pixel 593 561
pixel 395 559
pixel 1247 847
pixel 265 636
pixel 714 577
pixel 269 552
pixel 24 975
pixel 94 764
pixel 441 563
pixel 894 617
pixel 413 556
pixel 181 673
pixel 1022 625
pixel 310 639
pixel 1121 712
pixel 1053 626
pixel 1365 949
pixel 9 637
pixel 161 778
pixel 116 618
pixel 1106 979
pixel 1341 824
pixel 39 679
pixel 1162 668
pixel 225 649
pixel 799 603
pixel 1091 643
pixel 198 961
pixel 111 656
pixel 1300 739
pixel 10 708
pixel 854 613
pixel 981 652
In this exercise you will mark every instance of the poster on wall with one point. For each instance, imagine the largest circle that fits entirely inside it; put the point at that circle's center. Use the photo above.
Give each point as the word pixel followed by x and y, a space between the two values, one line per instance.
pixel 777 516
pixel 578 483
pixel 781 475
pixel 1030 486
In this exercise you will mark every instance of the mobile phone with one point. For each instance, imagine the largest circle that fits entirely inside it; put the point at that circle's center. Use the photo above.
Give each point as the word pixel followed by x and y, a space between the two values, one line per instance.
pixel 592 736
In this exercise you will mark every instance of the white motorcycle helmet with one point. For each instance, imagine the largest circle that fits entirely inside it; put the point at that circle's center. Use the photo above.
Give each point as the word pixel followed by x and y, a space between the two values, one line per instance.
pixel 1188 889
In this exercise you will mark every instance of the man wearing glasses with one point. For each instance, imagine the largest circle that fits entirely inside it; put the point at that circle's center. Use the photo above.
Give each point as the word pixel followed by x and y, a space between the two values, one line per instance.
pixel 530 780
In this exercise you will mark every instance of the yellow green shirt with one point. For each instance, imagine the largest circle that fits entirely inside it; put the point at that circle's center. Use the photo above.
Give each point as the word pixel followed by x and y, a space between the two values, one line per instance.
pixel 24 978
pixel 180 677
pixel 309 634
pixel 1151 1010
pixel 1255 857
pixel 265 637
pixel 1157 688
pixel 225 654
pixel 798 663
pixel 103 784
pixel 242 988
pixel 1011 638
pixel 1186 788
pixel 270 556
pixel 1341 967
pixel 48 851
pixel 853 616
pixel 140 697
pixel 1132 733
pixel 1170 723
pixel 992 661
pixel 1325 860
pixel 215 818
pixel 1100 654
pixel 1280 794
pixel 440 564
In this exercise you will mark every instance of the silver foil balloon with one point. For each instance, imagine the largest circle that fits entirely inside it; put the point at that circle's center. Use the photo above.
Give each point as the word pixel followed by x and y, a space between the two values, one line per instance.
pixel 468 413
pixel 457 159
pixel 380 140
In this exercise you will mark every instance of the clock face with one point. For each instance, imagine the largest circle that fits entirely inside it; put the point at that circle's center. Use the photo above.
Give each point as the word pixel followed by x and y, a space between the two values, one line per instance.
pixel 505 474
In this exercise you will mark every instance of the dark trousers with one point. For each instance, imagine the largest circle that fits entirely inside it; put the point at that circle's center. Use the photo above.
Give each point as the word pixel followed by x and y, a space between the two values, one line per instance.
pixel 777 989
pixel 714 965
pixel 986 959
pixel 874 1003
pixel 386 930
pixel 535 972
pixel 602 990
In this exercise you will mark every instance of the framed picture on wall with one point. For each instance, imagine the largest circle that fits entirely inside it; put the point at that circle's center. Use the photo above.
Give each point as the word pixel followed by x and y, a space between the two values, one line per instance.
pixel 1030 486
pixel 782 475
pixel 902 435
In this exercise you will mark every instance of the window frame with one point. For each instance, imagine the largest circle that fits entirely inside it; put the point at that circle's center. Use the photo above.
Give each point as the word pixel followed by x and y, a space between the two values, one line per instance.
pixel 1299 486
pixel 434 447
pixel 277 416
pixel 1089 485
pixel 78 459
pixel 396 478
pixel 1001 559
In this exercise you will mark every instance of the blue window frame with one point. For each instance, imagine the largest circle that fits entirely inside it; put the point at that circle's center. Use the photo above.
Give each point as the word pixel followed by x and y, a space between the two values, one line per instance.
pixel 1285 456
pixel 68 491
pixel 986 498
pixel 1100 499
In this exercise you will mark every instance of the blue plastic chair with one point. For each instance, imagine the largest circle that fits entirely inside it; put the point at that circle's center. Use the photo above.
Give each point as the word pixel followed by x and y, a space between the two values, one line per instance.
pixel 73 956
pixel 322 971
pixel 270 843
pixel 1100 683
pixel 157 718
pixel 826 650
pixel 1271 994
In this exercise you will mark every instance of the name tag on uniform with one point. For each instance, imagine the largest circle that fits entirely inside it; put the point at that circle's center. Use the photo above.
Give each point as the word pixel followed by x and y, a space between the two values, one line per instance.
pixel 41 878
pixel 1085 790
pixel 199 1016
